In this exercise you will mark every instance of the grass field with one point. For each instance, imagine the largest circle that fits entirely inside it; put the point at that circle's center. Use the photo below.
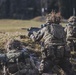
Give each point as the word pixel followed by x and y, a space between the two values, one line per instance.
pixel 13 25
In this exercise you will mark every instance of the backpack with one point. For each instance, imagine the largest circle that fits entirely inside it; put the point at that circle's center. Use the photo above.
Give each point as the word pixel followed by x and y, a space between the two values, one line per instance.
pixel 71 30
pixel 56 31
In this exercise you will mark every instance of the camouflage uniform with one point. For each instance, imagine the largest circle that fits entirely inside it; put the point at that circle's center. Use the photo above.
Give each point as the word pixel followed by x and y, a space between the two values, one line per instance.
pixel 13 44
pixel 52 51
pixel 71 39
pixel 70 30
pixel 16 56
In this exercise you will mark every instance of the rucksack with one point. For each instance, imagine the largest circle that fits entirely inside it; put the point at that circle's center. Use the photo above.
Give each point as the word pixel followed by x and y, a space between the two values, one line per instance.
pixel 56 31
pixel 71 30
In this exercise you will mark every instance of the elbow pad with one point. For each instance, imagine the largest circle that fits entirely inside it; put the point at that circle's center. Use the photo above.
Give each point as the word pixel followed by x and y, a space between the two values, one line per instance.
pixel 32 37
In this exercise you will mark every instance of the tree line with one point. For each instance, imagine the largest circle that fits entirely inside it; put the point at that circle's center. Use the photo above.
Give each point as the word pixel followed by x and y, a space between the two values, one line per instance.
pixel 27 9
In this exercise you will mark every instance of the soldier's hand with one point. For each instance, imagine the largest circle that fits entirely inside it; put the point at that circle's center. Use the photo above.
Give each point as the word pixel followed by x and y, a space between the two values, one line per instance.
pixel 32 37
pixel 29 34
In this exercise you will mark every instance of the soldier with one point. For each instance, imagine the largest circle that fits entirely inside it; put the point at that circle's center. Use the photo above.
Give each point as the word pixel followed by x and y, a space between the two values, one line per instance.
pixel 18 59
pixel 15 50
pixel 70 30
pixel 53 48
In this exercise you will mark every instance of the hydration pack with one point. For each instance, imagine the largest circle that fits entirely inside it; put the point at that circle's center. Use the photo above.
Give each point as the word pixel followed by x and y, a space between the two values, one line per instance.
pixel 56 31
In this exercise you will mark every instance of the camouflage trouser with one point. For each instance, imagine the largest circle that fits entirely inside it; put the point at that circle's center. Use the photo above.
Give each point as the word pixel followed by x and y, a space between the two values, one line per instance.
pixel 45 66
pixel 70 45
pixel 27 72
pixel 51 68
pixel 22 69
pixel 50 57
pixel 62 68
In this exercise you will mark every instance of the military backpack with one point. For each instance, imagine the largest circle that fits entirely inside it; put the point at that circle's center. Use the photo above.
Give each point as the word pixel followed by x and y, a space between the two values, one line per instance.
pixel 56 31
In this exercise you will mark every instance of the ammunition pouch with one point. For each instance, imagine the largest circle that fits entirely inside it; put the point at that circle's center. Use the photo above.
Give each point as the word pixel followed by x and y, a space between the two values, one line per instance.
pixel 58 70
pixel 43 53
pixel 55 52
pixel 60 52
pixel 50 52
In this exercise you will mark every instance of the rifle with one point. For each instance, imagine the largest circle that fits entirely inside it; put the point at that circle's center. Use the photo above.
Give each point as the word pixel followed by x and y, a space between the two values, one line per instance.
pixel 31 30
pixel 27 29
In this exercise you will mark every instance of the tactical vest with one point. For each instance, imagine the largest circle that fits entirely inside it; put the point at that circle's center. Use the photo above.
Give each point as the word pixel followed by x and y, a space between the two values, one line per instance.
pixel 55 34
pixel 71 31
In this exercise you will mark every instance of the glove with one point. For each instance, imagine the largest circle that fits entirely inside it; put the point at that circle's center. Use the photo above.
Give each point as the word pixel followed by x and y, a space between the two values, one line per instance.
pixel 29 34
pixel 32 37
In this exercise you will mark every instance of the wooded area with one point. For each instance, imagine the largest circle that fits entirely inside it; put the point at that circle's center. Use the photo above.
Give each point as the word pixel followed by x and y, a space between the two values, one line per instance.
pixel 27 9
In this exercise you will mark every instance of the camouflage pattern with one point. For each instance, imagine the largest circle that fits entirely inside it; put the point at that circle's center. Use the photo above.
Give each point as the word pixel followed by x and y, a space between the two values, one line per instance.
pixel 58 70
pixel 72 19
pixel 13 44
pixel 27 72
pixel 46 36
pixel 70 30
pixel 18 60
pixel 19 63
pixel 53 49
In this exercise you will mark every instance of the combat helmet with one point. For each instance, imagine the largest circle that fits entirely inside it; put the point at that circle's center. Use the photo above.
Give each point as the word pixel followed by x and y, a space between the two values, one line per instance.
pixel 54 18
pixel 13 44
pixel 72 19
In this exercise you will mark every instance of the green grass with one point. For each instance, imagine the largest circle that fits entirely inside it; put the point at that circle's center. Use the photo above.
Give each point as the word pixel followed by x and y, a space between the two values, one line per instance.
pixel 14 25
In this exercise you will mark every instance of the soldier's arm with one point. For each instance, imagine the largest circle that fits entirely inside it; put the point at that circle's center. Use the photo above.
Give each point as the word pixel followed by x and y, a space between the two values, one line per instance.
pixel 65 29
pixel 39 35
pixel 64 39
